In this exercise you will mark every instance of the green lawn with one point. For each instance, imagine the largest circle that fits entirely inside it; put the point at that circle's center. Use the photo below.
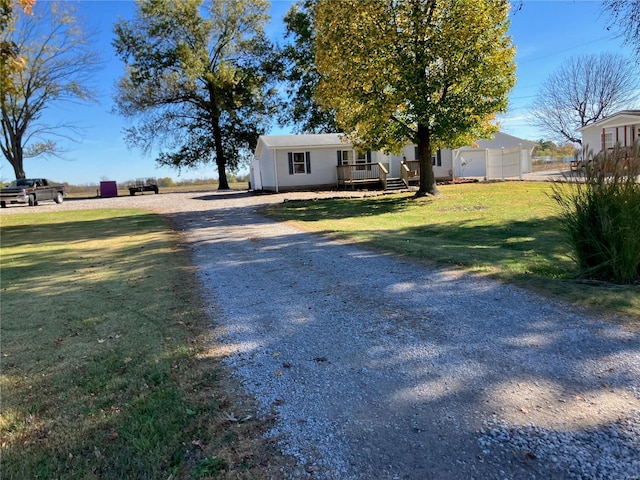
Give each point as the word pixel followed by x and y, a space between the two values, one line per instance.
pixel 109 368
pixel 509 230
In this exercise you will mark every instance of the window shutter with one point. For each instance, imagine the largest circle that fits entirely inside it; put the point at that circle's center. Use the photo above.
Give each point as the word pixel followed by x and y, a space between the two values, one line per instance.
pixel 308 158
pixel 339 157
pixel 290 163
pixel 368 156
pixel 415 153
pixel 439 156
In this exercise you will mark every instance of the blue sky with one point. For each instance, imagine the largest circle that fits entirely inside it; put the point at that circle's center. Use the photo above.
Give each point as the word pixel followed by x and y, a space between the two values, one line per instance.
pixel 545 33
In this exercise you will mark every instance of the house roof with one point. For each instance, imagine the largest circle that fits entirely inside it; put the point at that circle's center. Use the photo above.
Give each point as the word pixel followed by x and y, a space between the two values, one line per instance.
pixel 328 140
pixel 620 118
pixel 300 141
pixel 504 140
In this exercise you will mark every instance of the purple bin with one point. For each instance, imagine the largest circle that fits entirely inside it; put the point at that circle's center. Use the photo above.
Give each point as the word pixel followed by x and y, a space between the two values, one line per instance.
pixel 108 189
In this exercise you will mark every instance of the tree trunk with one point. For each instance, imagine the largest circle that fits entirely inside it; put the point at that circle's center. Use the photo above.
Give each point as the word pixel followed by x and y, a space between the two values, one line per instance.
pixel 223 184
pixel 427 177
pixel 11 146
pixel 17 162
pixel 19 171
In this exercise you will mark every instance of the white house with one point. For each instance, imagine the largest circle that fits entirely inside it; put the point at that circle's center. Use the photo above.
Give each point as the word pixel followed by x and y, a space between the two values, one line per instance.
pixel 316 161
pixel 621 128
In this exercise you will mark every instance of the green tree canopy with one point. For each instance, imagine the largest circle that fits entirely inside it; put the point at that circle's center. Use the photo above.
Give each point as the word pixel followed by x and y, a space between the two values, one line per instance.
pixel 198 80
pixel 301 108
pixel 431 72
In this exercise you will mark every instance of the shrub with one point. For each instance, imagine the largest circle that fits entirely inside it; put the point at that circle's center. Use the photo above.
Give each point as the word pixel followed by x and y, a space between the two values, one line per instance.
pixel 600 206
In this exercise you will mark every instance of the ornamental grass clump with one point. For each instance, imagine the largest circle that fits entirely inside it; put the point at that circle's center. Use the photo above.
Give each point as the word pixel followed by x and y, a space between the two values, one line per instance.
pixel 600 206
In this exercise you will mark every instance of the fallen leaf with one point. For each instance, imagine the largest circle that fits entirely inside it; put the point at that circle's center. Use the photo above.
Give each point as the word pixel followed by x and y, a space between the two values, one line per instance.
pixel 278 373
pixel 286 365
pixel 198 443
pixel 232 418
pixel 275 355
pixel 57 341
pixel 113 435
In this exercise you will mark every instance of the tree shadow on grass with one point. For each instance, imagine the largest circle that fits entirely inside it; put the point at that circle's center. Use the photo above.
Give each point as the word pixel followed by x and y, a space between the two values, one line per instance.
pixel 313 210
pixel 100 326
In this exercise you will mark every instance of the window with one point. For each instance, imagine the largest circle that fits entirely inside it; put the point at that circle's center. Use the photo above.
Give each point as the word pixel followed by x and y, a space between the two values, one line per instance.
pixel 345 157
pixel 436 159
pixel 608 140
pixel 299 163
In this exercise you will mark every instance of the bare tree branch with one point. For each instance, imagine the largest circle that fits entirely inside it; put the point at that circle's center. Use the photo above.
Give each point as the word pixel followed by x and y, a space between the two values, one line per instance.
pixel 625 18
pixel 582 91
pixel 60 64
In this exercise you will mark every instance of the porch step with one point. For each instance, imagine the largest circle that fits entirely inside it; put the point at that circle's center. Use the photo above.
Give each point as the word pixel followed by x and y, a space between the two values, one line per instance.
pixel 395 184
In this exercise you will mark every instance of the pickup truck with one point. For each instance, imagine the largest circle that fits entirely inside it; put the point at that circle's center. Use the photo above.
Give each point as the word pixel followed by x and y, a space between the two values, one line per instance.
pixel 31 191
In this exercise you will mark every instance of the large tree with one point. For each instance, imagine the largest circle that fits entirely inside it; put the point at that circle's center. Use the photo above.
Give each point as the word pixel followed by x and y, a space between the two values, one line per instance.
pixel 301 109
pixel 431 72
pixel 625 17
pixel 57 65
pixel 198 80
pixel 582 91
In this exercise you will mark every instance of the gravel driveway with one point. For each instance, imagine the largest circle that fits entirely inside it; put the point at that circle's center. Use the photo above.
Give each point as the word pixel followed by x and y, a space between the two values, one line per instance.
pixel 377 367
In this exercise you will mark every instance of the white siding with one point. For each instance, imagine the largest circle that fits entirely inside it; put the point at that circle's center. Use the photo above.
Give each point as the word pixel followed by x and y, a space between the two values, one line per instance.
pixel 270 168
pixel 470 162
pixel 591 139
pixel 323 168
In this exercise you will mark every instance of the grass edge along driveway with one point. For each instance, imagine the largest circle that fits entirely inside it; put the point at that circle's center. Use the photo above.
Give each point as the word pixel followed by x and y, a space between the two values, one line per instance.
pixel 109 368
pixel 507 230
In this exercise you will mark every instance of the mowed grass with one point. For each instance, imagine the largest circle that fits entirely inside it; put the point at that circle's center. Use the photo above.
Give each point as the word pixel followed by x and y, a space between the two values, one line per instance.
pixel 508 230
pixel 109 368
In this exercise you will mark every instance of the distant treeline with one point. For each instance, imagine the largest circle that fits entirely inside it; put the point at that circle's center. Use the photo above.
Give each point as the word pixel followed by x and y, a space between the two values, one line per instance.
pixel 164 182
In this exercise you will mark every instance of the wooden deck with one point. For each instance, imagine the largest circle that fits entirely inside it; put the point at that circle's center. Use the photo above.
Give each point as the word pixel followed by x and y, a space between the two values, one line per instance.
pixel 410 172
pixel 362 174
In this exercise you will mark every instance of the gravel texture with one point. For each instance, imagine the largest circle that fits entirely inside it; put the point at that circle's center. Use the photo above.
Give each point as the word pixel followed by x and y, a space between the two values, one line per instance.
pixel 379 367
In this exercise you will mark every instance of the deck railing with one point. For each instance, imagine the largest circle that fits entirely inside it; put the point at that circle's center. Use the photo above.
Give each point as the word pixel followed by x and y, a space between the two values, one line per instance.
pixel 410 171
pixel 362 173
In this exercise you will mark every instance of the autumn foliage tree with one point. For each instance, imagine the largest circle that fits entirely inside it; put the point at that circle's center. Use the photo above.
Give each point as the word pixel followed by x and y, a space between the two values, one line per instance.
pixel 431 72
pixel 56 63
pixel 197 81
pixel 10 58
